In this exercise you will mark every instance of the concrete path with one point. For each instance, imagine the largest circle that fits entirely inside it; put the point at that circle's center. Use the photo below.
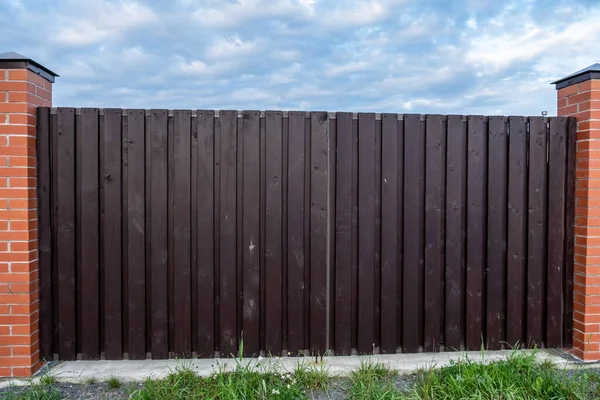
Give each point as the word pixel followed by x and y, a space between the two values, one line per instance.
pixel 132 371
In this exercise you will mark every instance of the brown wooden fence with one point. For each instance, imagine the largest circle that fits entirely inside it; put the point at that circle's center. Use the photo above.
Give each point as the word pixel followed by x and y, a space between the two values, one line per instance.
pixel 182 232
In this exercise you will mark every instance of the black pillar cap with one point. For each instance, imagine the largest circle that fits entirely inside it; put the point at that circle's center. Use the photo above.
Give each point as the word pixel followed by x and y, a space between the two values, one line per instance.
pixel 12 60
pixel 591 72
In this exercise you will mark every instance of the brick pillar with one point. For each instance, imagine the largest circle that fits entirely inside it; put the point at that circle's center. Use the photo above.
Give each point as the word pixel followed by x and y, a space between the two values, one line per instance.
pixel 579 97
pixel 24 85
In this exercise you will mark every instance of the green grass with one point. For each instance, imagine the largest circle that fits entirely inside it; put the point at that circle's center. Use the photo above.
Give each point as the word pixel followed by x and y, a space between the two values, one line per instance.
pixel 91 381
pixel 373 381
pixel 35 391
pixel 520 377
pixel 245 381
pixel 313 376
pixel 113 383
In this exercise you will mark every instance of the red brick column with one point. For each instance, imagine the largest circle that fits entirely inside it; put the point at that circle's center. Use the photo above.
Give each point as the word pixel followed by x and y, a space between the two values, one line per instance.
pixel 579 97
pixel 24 85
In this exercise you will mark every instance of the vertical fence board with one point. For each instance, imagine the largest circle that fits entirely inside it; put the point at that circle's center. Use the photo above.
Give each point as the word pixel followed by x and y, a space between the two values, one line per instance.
pixel 377 242
pixel 136 234
pixel 354 266
pixel 65 238
pixel 557 168
pixel 194 231
pixel 476 230
pixel 111 235
pixel 124 234
pixel 517 231
pixel 158 233
pixel 228 226
pixel 496 220
pixel 182 232
pixel 537 237
pixel 206 234
pixel 569 230
pixel 456 197
pixel 400 233
pixel 414 233
pixel 251 231
pixel 435 154
pixel 343 231
pixel 45 169
pixel 296 212
pixel 284 228
pixel 389 231
pixel 87 224
pixel 366 238
pixel 318 232
pixel 273 231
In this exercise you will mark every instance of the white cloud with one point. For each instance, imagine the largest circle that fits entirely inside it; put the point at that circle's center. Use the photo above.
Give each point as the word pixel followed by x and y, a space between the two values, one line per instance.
pixel 101 20
pixel 231 47
pixel 230 14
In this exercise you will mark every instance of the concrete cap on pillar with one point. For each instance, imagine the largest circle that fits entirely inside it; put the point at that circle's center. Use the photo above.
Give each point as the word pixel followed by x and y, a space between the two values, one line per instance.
pixel 591 72
pixel 12 60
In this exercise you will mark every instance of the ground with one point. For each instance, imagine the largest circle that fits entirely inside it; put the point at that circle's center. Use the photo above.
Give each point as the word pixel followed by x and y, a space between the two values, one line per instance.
pixel 517 375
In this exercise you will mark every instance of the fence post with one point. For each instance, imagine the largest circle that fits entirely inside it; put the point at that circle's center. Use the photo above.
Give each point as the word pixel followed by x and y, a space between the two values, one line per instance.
pixel 24 85
pixel 579 97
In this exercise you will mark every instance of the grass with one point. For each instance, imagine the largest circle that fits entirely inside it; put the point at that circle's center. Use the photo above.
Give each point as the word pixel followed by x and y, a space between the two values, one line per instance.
pixel 373 381
pixel 246 381
pixel 35 391
pixel 113 383
pixel 519 377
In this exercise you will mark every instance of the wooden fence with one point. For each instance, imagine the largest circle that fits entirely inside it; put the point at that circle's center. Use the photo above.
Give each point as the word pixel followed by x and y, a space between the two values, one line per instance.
pixel 180 233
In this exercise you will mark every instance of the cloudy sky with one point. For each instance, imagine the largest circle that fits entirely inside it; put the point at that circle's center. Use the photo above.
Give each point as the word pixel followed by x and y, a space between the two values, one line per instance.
pixel 424 56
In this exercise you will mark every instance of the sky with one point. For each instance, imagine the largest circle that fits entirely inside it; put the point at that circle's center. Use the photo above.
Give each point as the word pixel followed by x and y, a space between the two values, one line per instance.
pixel 407 56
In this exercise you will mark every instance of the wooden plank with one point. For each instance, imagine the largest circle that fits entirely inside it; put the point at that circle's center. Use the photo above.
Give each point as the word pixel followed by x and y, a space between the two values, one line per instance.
pixel 182 232
pixel 158 233
pixel 273 231
pixel 262 168
pixel 136 253
pixel 435 177
pixel 496 248
pixel 296 212
pixel 65 236
pixel 331 163
pixel 250 132
pixel 366 238
pixel 456 228
pixel 377 246
pixel 111 233
pixel 400 232
pixel 343 232
pixel 170 238
pixel 476 229
pixel 414 233
pixel 569 231
pixel 88 225
pixel 389 230
pixel 205 226
pixel 318 232
pixel 537 233
pixel 45 230
pixel 228 226
pixel 194 230
pixel 124 234
pixel 557 172
pixel 307 230
pixel 354 241
pixel 284 237
pixel 517 231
